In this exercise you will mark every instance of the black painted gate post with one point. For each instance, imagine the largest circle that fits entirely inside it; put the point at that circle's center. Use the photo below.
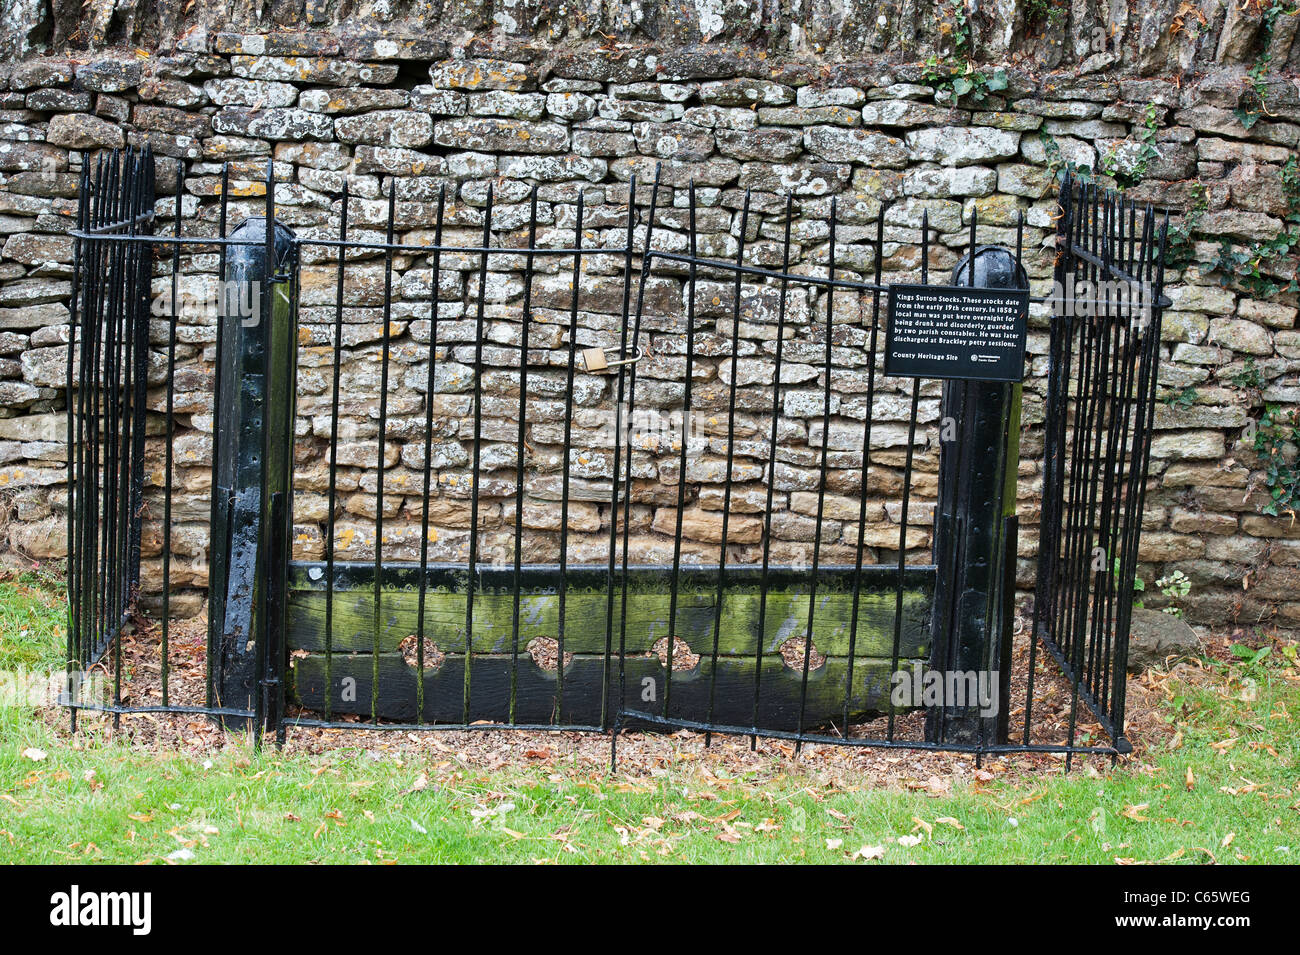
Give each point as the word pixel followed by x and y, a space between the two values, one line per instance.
pixel 975 533
pixel 252 466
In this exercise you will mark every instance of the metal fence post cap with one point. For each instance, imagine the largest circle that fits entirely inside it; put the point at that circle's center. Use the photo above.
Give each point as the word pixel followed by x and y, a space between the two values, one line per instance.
pixel 252 231
pixel 995 267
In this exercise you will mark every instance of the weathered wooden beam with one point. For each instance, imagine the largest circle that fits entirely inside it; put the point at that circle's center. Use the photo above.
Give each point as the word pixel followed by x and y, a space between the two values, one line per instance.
pixel 351 686
pixel 647 619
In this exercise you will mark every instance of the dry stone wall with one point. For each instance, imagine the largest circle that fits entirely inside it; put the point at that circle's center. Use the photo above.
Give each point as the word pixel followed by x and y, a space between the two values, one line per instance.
pixel 1159 38
pixel 403 115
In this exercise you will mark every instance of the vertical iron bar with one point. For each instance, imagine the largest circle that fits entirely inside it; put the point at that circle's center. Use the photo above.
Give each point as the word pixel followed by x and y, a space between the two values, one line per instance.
pixel 74 490
pixel 430 389
pixel 477 458
pixel 731 458
pixel 519 461
pixel 334 453
pixel 112 356
pixel 1049 542
pixel 1083 498
pixel 87 412
pixel 876 271
pixel 907 490
pixel 1062 608
pixel 628 253
pixel 760 636
pixel 216 594
pixel 1141 454
pixel 675 579
pixel 381 449
pixel 1109 373
pixel 821 478
pixel 173 318
pixel 570 369
pixel 647 253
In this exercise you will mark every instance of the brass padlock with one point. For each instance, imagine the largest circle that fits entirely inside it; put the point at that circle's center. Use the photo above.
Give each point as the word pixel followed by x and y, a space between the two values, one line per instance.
pixel 595 360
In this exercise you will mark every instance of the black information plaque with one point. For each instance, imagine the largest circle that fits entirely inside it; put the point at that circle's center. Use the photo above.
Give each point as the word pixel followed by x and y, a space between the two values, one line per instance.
pixel 948 331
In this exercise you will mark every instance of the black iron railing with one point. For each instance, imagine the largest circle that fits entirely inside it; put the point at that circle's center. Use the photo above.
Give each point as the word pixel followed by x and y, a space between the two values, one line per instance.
pixel 108 372
pixel 1100 409
pixel 442 507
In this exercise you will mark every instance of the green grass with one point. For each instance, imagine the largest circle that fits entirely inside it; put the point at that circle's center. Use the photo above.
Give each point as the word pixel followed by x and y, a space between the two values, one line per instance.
pixel 92 798
pixel 33 622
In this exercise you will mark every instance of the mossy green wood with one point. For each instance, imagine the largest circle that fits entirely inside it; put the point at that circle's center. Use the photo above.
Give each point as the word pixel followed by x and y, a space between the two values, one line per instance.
pixel 538 699
pixel 584 698
pixel 648 611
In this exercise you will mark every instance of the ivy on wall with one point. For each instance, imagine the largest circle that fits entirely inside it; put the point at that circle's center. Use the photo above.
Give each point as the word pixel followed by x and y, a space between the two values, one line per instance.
pixel 1263 269
pixel 1180 246
pixel 1254 99
pixel 958 74
pixel 1276 438
pixel 1128 171
pixel 1050 14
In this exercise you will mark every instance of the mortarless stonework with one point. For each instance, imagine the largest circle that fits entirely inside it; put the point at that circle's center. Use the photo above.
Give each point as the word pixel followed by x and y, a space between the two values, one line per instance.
pixel 411 113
